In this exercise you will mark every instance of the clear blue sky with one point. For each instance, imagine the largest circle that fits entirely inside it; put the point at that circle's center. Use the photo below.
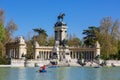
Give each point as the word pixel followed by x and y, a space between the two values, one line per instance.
pixel 80 14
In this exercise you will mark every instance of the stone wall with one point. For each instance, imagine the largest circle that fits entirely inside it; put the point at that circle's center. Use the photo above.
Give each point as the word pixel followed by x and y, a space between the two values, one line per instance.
pixel 33 63
pixel 114 62
pixel 28 63
pixel 17 63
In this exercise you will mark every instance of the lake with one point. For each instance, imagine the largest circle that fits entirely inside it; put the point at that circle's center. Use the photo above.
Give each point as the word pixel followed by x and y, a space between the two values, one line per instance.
pixel 61 73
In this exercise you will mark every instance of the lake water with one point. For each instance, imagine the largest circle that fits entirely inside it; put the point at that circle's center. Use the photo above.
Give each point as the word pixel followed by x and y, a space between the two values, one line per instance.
pixel 61 73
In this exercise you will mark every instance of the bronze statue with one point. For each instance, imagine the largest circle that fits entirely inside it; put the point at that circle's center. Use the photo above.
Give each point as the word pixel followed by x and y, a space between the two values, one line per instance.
pixel 61 16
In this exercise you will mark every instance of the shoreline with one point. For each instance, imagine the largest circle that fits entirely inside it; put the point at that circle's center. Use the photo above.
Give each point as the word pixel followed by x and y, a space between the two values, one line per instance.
pixel 9 66
pixel 109 63
pixel 5 66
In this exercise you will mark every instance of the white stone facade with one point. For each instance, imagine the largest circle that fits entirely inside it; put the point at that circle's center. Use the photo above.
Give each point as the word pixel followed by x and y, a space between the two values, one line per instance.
pixel 22 47
pixel 97 48
pixel 16 49
pixel 45 54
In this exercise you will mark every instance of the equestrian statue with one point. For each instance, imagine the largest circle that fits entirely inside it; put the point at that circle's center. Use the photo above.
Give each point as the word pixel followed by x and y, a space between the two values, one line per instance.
pixel 61 16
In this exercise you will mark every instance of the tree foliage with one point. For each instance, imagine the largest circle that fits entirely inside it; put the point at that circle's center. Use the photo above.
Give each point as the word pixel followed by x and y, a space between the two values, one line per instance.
pixel 110 27
pixel 41 37
pixel 9 31
pixel 30 51
pixel 90 38
pixel 40 31
pixel 51 41
pixel 108 36
pixel 2 30
pixel 5 36
pixel 11 27
pixel 2 34
pixel 73 41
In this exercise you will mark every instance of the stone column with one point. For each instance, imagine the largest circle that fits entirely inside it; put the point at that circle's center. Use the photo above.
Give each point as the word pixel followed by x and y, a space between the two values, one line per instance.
pixel 49 55
pixel 14 52
pixel 97 48
pixel 36 46
pixel 22 46
pixel 75 55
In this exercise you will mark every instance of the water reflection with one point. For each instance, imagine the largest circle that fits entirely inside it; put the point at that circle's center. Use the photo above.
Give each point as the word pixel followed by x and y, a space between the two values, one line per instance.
pixel 4 74
pixel 79 73
pixel 98 74
pixel 62 73
pixel 22 74
pixel 54 74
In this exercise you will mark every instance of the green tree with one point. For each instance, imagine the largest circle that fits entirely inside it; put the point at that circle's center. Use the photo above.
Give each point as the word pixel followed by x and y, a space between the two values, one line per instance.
pixel 119 46
pixel 108 37
pixel 51 41
pixel 5 36
pixel 73 41
pixel 2 34
pixel 9 31
pixel 90 38
pixel 30 50
pixel 41 38
pixel 40 31
pixel 2 30
pixel 118 56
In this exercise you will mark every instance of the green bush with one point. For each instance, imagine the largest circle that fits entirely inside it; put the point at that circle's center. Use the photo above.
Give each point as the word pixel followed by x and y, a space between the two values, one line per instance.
pixel 3 61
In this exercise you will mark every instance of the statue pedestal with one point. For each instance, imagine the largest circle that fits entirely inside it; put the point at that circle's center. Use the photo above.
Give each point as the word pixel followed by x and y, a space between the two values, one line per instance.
pixel 65 55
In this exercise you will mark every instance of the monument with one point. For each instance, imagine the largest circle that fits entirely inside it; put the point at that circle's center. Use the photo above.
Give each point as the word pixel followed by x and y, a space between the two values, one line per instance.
pixel 60 51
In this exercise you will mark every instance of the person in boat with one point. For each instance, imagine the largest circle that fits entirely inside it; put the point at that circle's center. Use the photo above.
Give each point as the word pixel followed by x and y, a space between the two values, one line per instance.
pixel 43 67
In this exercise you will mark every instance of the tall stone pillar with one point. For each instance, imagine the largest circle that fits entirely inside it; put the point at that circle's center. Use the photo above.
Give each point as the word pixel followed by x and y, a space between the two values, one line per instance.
pixel 36 46
pixel 98 53
pixel 60 48
pixel 22 47
pixel 60 29
pixel 97 48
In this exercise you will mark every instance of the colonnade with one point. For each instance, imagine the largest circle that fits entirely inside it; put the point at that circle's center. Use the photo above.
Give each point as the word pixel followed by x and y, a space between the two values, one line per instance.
pixel 16 49
pixel 88 55
pixel 44 55
pixel 12 53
